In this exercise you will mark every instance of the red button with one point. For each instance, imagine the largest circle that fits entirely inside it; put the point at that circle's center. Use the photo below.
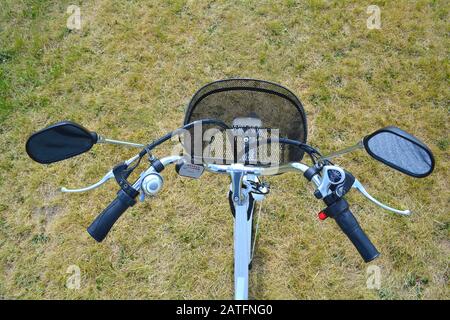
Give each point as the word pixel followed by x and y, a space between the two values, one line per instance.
pixel 322 215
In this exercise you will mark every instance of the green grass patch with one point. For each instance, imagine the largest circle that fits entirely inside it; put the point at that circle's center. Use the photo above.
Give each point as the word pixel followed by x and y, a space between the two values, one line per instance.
pixel 129 73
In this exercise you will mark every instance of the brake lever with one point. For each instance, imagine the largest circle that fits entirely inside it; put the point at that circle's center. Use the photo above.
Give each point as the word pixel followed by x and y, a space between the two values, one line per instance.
pixel 109 175
pixel 357 185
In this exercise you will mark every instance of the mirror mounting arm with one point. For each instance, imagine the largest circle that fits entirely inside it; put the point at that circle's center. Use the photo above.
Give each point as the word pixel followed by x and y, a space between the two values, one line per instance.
pixel 359 145
pixel 101 139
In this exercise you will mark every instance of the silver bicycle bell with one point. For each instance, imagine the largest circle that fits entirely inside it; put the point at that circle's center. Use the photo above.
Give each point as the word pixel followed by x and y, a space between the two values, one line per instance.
pixel 152 183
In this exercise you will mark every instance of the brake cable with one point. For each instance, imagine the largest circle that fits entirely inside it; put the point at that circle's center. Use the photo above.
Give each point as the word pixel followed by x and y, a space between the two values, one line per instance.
pixel 149 147
pixel 256 231
pixel 311 151
pixel 188 126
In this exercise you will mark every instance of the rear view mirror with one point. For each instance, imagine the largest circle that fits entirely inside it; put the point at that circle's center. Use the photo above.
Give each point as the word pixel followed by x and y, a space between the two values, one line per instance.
pixel 60 141
pixel 401 151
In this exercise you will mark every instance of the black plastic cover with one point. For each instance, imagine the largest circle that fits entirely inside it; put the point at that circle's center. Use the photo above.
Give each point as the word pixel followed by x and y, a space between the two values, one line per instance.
pixel 59 141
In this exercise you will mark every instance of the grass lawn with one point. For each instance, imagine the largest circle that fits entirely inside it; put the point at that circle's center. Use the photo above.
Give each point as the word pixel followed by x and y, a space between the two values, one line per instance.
pixel 129 73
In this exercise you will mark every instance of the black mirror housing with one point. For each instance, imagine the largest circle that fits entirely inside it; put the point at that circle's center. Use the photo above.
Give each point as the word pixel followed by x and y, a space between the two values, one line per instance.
pixel 59 141
pixel 401 151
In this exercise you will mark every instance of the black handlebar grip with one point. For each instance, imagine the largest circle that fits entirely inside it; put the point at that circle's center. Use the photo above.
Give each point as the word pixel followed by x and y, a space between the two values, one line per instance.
pixel 350 226
pixel 104 222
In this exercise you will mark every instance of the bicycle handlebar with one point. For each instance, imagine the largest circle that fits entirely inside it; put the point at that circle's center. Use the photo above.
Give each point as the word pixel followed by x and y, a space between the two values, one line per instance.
pixel 338 210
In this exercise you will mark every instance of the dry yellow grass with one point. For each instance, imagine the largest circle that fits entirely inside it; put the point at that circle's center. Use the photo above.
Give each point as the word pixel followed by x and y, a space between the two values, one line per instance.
pixel 130 72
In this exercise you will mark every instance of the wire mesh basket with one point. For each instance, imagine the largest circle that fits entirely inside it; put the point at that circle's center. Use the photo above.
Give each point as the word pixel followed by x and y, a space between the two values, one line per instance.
pixel 256 111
